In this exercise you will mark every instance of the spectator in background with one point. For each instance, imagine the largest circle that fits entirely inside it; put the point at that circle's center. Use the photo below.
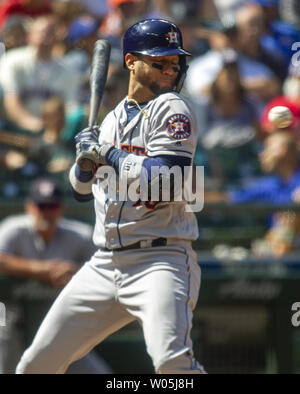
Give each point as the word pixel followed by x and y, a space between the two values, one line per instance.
pixel 13 163
pixel 279 35
pixel 218 34
pixel 258 80
pixel 227 129
pixel 65 12
pixel 279 186
pixel 49 152
pixel 13 158
pixel 81 37
pixel 13 33
pixel 251 32
pixel 32 8
pixel 282 238
pixel 121 15
pixel 280 159
pixel 30 75
pixel 42 247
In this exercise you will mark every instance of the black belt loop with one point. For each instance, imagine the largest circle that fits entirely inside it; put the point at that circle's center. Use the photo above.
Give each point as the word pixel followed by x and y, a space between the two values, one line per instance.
pixel 156 242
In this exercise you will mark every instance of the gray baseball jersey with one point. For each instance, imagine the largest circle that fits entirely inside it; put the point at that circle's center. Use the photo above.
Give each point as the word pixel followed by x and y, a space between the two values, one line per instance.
pixel 166 126
pixel 159 285
pixel 72 241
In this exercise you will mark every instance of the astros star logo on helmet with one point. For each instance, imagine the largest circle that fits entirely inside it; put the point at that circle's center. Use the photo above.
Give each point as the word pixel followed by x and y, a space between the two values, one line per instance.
pixel 179 126
pixel 172 37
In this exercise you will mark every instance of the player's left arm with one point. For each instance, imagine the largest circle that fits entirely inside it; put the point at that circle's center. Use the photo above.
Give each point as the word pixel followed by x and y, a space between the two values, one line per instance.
pixel 173 131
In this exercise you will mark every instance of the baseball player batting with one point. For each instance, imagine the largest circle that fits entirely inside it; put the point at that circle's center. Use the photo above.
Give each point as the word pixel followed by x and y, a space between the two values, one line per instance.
pixel 145 267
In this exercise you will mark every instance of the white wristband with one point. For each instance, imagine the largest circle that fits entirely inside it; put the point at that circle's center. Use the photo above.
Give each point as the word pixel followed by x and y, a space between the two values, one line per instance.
pixel 78 186
pixel 131 167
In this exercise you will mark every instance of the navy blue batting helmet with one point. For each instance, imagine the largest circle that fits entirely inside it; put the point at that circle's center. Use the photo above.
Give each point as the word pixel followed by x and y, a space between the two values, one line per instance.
pixel 156 37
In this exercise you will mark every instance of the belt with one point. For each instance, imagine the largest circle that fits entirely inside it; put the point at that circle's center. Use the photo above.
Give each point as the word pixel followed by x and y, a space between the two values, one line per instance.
pixel 139 245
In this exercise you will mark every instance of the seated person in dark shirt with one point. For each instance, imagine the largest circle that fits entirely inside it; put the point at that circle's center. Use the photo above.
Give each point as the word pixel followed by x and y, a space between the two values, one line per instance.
pixel 227 127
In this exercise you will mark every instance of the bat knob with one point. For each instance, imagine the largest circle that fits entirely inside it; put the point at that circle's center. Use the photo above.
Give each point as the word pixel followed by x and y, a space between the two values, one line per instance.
pixel 85 164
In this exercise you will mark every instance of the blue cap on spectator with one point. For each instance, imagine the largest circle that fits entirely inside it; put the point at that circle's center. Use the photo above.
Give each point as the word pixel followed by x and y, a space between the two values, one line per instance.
pixel 45 191
pixel 81 27
pixel 267 3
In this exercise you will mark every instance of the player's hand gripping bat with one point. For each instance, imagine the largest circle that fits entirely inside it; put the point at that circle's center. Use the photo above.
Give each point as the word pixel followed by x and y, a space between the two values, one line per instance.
pixel 98 78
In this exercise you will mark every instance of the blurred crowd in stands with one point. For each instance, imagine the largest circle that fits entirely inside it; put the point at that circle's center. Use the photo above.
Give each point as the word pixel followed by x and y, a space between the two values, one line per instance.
pixel 246 60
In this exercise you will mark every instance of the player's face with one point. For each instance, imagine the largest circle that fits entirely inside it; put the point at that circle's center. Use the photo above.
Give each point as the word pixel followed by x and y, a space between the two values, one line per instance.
pixel 157 73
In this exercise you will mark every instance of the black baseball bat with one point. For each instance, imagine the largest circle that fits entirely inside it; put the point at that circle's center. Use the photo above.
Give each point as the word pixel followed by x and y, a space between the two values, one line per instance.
pixel 98 78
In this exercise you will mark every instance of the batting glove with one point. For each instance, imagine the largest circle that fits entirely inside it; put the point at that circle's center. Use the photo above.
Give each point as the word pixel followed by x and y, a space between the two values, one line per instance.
pixel 92 151
pixel 88 134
